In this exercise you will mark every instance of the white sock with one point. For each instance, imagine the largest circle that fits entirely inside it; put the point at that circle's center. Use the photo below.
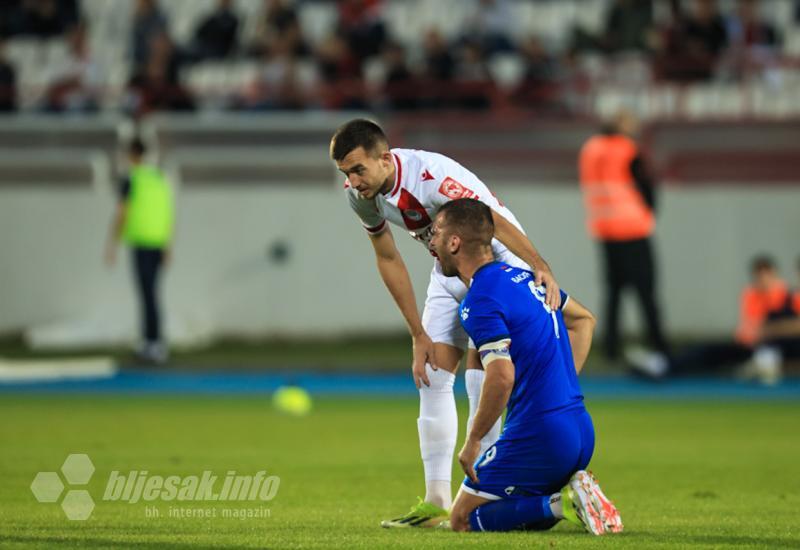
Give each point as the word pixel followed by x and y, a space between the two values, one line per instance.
pixel 474 379
pixel 438 429
pixel 555 506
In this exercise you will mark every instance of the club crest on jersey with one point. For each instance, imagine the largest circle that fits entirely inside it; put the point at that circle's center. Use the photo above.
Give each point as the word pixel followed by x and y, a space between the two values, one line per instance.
pixel 412 215
pixel 452 189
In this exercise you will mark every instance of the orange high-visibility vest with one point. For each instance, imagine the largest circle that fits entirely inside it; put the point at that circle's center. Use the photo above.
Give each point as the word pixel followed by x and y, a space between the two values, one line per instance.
pixel 615 209
pixel 754 307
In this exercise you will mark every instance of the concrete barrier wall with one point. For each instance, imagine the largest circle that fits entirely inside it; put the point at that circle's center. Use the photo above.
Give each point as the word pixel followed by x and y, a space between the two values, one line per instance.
pixel 228 276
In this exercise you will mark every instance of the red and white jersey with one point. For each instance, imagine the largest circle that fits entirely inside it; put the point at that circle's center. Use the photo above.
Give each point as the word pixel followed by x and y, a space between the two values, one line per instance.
pixel 424 182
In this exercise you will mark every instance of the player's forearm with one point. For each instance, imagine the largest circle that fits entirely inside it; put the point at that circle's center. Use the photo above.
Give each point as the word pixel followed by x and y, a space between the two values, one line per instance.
pixel 516 241
pixel 580 339
pixel 395 276
pixel 115 228
pixel 580 325
pixel 497 386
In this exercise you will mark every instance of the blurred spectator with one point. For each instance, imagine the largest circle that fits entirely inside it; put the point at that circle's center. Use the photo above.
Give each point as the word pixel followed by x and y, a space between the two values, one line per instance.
pixel 438 69
pixel 692 45
pixel 400 85
pixel 538 82
pixel 280 22
pixel 489 25
pixel 754 42
pixel 277 85
pixel 473 87
pixel 705 30
pixel 784 323
pixel 764 298
pixel 342 85
pixel 439 63
pixel 748 28
pixel 278 17
pixel 361 25
pixel 42 18
pixel 8 82
pixel 215 37
pixel 76 83
pixel 629 26
pixel 148 22
pixel 767 334
pixel 156 87
pixel 9 17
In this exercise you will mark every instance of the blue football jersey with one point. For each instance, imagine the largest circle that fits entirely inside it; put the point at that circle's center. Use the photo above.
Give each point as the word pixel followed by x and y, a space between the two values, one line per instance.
pixel 503 302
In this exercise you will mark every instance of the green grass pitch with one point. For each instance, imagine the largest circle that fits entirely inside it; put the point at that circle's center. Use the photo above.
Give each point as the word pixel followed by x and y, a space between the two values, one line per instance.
pixel 683 474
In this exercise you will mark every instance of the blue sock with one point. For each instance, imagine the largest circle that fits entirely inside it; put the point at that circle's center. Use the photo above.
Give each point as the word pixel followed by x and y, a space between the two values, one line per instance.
pixel 507 514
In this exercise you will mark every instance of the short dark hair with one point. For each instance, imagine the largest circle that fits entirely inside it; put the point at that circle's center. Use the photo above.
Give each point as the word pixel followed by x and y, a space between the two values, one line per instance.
pixel 761 262
pixel 137 147
pixel 357 133
pixel 471 220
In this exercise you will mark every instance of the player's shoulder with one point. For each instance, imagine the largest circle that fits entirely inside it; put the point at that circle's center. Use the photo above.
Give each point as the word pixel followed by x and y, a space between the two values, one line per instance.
pixel 429 164
pixel 505 273
pixel 488 281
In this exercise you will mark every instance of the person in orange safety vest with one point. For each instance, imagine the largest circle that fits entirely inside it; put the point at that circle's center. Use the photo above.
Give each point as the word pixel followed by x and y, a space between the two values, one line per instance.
pixel 620 215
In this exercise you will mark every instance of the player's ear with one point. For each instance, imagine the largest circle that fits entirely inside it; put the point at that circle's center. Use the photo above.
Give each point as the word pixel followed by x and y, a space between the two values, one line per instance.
pixel 454 244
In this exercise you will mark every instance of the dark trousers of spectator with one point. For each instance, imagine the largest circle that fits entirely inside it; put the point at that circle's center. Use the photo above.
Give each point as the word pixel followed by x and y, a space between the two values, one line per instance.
pixel 724 356
pixel 630 264
pixel 147 263
pixel 710 358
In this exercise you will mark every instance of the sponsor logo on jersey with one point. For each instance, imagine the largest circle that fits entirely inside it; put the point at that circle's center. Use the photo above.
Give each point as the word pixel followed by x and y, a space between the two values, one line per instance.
pixel 464 314
pixel 426 176
pixel 452 189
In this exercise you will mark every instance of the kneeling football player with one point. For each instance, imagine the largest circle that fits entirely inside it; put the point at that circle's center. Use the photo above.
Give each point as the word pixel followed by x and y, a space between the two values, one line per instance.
pixel 535 474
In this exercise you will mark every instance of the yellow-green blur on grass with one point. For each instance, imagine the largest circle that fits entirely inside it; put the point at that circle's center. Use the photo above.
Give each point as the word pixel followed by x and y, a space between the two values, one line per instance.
pixel 683 474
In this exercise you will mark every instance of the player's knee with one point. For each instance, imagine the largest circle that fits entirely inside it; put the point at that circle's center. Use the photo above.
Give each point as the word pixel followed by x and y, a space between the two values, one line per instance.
pixel 440 380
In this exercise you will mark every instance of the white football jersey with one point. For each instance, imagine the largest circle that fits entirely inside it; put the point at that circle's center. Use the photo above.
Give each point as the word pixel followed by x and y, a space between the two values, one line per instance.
pixel 424 181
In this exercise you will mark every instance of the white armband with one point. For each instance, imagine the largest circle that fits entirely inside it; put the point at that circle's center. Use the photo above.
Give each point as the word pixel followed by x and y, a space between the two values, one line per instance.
pixel 492 351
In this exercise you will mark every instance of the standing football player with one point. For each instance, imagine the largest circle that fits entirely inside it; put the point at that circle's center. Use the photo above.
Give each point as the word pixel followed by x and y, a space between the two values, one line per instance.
pixel 407 187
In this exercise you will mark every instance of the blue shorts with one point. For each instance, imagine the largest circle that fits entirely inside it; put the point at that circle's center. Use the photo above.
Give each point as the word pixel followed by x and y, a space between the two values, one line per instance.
pixel 540 463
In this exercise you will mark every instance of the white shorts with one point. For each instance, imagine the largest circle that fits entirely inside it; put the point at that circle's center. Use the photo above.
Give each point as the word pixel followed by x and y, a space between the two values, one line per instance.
pixel 440 316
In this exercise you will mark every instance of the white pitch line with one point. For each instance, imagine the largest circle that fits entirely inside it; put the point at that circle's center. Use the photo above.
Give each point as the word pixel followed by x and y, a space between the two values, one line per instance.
pixel 14 371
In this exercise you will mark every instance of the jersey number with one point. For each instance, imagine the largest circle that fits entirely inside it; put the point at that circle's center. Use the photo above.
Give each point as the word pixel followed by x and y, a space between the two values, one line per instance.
pixel 539 293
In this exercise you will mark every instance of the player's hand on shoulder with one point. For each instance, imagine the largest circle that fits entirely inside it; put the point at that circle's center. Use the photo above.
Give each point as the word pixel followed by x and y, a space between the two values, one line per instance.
pixel 553 292
pixel 423 353
pixel 467 457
